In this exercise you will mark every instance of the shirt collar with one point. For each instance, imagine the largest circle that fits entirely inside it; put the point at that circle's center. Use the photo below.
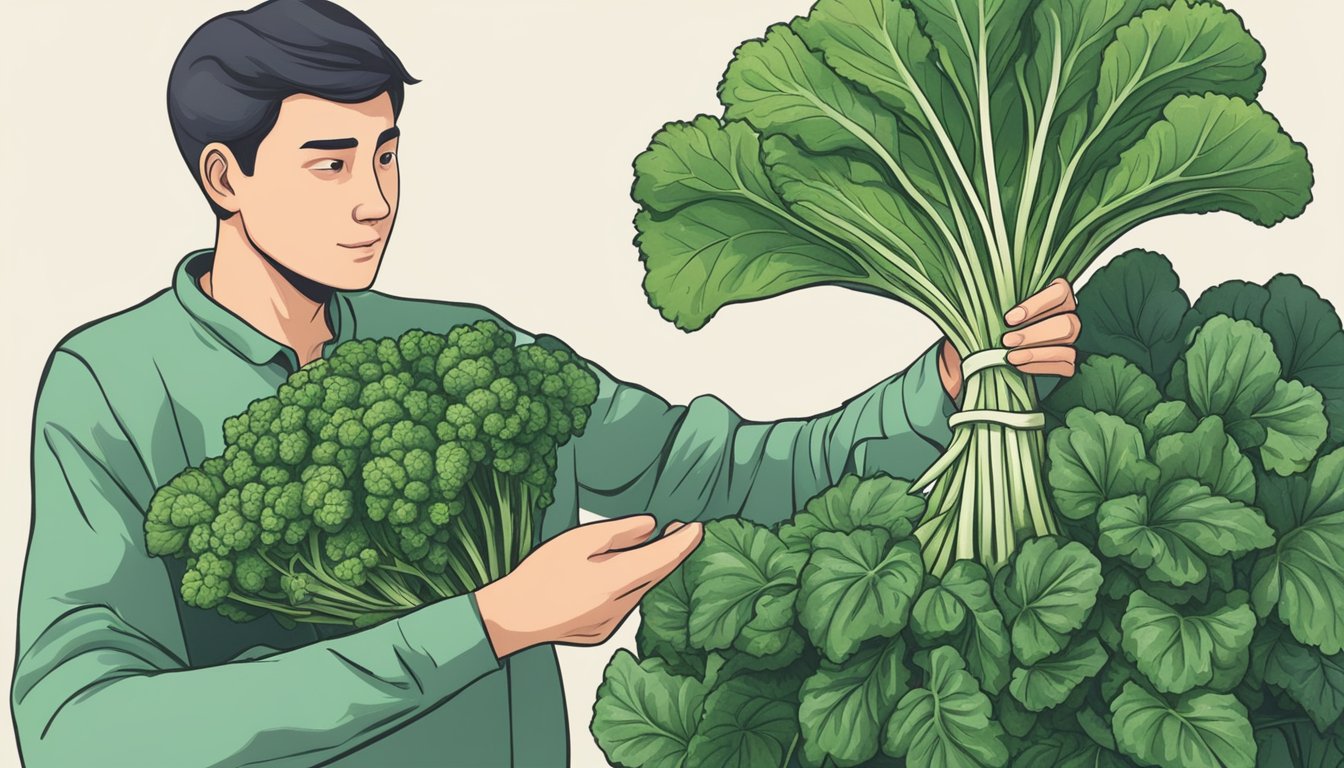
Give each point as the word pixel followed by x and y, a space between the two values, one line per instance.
pixel 233 331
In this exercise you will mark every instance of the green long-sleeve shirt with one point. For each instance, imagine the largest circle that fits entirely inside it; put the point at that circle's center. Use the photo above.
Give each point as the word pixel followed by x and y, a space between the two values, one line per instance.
pixel 113 668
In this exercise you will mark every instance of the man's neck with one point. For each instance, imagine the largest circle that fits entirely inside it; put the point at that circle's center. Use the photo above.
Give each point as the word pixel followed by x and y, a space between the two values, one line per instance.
pixel 281 305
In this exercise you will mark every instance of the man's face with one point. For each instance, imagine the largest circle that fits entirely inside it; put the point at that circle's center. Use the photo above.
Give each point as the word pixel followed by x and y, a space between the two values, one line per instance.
pixel 323 195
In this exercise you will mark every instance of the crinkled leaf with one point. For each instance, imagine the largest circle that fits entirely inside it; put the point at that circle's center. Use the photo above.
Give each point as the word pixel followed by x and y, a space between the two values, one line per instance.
pixel 853 503
pixel 1208 456
pixel 1048 682
pixel 1172 535
pixel 771 629
pixel 843 708
pixel 961 604
pixel 736 565
pixel 1095 458
pixel 1206 729
pixel 858 586
pixel 1047 592
pixel 1178 651
pixel 1228 371
pixel 666 611
pixel 946 723
pixel 1167 418
pixel 645 717
pixel 1304 574
pixel 1294 423
pixel 1107 384
pixel 749 721
pixel 1133 306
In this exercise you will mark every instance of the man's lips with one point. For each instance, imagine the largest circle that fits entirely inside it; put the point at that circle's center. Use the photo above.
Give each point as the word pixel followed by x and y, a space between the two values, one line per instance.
pixel 364 244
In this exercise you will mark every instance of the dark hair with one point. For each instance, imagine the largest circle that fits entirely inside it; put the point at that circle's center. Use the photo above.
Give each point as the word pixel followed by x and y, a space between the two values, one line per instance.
pixel 231 75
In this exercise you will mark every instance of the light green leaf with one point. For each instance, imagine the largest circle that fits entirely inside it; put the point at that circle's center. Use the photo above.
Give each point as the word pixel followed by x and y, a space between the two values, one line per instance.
pixel 1228 371
pixel 736 565
pixel 843 708
pixel 1309 341
pixel 771 629
pixel 858 586
pixel 961 603
pixel 1048 682
pixel 853 503
pixel 1206 729
pixel 1208 456
pixel 1304 574
pixel 645 717
pixel 1134 305
pixel 1047 592
pixel 1096 457
pixel 1295 427
pixel 1167 418
pixel 947 723
pixel 1171 536
pixel 1178 652
pixel 1110 385
pixel 749 721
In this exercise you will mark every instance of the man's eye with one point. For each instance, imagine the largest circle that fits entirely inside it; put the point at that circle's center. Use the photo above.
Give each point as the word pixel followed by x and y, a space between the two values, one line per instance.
pixel 329 165
pixel 387 157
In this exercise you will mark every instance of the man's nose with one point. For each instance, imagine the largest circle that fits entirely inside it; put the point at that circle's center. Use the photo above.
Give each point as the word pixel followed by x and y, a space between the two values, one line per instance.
pixel 371 204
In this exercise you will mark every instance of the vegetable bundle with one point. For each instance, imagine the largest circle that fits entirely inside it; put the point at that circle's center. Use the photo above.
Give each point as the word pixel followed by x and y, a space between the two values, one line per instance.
pixel 393 473
pixel 958 155
pixel 1186 616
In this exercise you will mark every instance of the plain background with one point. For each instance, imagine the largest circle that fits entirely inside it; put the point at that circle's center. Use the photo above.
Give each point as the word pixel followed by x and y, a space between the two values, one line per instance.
pixel 516 172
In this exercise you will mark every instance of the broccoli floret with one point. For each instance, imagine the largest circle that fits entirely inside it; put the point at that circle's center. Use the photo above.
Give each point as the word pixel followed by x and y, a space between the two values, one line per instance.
pixel 251 572
pixel 337 507
pixel 296 588
pixel 384 476
pixel 350 571
pixel 347 543
pixel 339 392
pixel 274 476
pixel 189 499
pixel 403 512
pixel 206 582
pixel 452 466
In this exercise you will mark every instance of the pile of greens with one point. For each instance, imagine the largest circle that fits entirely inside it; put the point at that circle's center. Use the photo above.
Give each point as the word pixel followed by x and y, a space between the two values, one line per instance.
pixel 959 155
pixel 1186 615
pixel 393 473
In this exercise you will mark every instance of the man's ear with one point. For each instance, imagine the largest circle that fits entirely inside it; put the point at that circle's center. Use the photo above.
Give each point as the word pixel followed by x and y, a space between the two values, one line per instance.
pixel 218 167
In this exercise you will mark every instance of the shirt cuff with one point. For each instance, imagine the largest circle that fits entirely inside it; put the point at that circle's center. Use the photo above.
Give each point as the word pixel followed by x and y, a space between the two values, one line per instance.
pixel 450 635
pixel 923 405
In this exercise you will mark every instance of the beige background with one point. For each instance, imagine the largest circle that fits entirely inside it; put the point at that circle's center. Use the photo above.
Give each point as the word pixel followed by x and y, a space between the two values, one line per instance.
pixel 516 157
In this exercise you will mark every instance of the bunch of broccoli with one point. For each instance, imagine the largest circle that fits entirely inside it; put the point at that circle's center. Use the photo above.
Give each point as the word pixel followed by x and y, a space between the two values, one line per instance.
pixel 391 474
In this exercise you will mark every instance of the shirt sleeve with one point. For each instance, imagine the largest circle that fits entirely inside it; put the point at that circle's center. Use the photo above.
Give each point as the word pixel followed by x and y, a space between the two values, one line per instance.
pixel 701 461
pixel 100 667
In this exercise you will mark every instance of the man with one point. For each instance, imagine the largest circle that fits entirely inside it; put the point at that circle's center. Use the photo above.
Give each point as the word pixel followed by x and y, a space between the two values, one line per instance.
pixel 286 115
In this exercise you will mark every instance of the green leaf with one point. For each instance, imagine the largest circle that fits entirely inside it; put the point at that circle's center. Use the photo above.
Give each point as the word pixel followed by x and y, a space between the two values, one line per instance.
pixel 1196 729
pixel 1172 535
pixel 645 717
pixel 1095 458
pixel 1228 371
pixel 1304 574
pixel 749 721
pixel 1167 418
pixel 1133 307
pixel 1110 385
pixel 1179 652
pixel 1309 342
pixel 961 603
pixel 1297 744
pixel 1047 593
pixel 854 503
pixel 737 566
pixel 858 586
pixel 1295 427
pixel 844 707
pixel 1311 678
pixel 1208 456
pixel 947 723
pixel 708 211
pixel 1048 682
pixel 666 611
pixel 771 630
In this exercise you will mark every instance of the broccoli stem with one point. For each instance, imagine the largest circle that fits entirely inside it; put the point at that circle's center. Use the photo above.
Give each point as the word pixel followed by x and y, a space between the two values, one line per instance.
pixel 506 512
pixel 464 539
pixel 487 529
pixel 396 593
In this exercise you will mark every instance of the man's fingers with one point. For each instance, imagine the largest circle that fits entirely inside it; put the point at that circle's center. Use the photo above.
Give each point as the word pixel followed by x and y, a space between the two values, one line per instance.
pixel 655 560
pixel 1055 298
pixel 1059 329
pixel 618 533
pixel 1038 355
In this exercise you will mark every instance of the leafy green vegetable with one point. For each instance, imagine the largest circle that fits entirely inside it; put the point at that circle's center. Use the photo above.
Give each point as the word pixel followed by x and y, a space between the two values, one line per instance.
pixel 946 723
pixel 961 603
pixel 1110 385
pixel 1048 682
pixel 1046 593
pixel 1195 729
pixel 1179 651
pixel 737 569
pixel 1312 679
pixel 844 707
pixel 853 503
pixel 748 721
pixel 1096 458
pixel 1167 418
pixel 645 717
pixel 1206 455
pixel 1134 307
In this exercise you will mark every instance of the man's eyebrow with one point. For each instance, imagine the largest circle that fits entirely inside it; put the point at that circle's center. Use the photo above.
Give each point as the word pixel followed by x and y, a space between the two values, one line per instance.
pixel 330 144
pixel 388 135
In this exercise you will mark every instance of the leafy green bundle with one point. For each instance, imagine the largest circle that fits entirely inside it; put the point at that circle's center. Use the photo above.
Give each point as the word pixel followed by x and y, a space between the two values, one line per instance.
pixel 958 155
pixel 393 473
pixel 1186 616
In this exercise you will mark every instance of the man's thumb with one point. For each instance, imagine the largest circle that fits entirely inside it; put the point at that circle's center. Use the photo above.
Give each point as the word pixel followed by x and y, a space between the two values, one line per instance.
pixel 619 533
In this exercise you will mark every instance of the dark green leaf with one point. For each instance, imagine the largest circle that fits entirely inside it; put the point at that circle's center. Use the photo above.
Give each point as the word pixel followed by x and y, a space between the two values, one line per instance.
pixel 1177 651
pixel 1312 679
pixel 1095 458
pixel 961 603
pixel 1110 385
pixel 1133 307
pixel 1048 589
pixel 1208 456
pixel 1049 681
pixel 853 503
pixel 645 717
pixel 844 707
pixel 749 721
pixel 946 723
pixel 737 565
pixel 1309 342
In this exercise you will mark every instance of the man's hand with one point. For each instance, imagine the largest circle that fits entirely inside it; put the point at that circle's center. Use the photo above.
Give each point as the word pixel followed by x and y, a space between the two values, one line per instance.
pixel 578 587
pixel 1045 328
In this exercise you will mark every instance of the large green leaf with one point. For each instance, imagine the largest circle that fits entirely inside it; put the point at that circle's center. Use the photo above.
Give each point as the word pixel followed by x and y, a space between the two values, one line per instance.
pixel 875 502
pixel 858 586
pixel 961 604
pixel 1095 458
pixel 1294 423
pixel 1304 574
pixel 1208 456
pixel 666 610
pixel 713 231
pixel 1205 729
pixel 1172 535
pixel 1048 682
pixel 946 723
pixel 1046 594
pixel 1167 418
pixel 1107 384
pixel 645 717
pixel 1133 307
pixel 736 566
pixel 843 708
pixel 1297 744
pixel 1177 651
pixel 1068 750
pixel 1311 678
pixel 749 721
